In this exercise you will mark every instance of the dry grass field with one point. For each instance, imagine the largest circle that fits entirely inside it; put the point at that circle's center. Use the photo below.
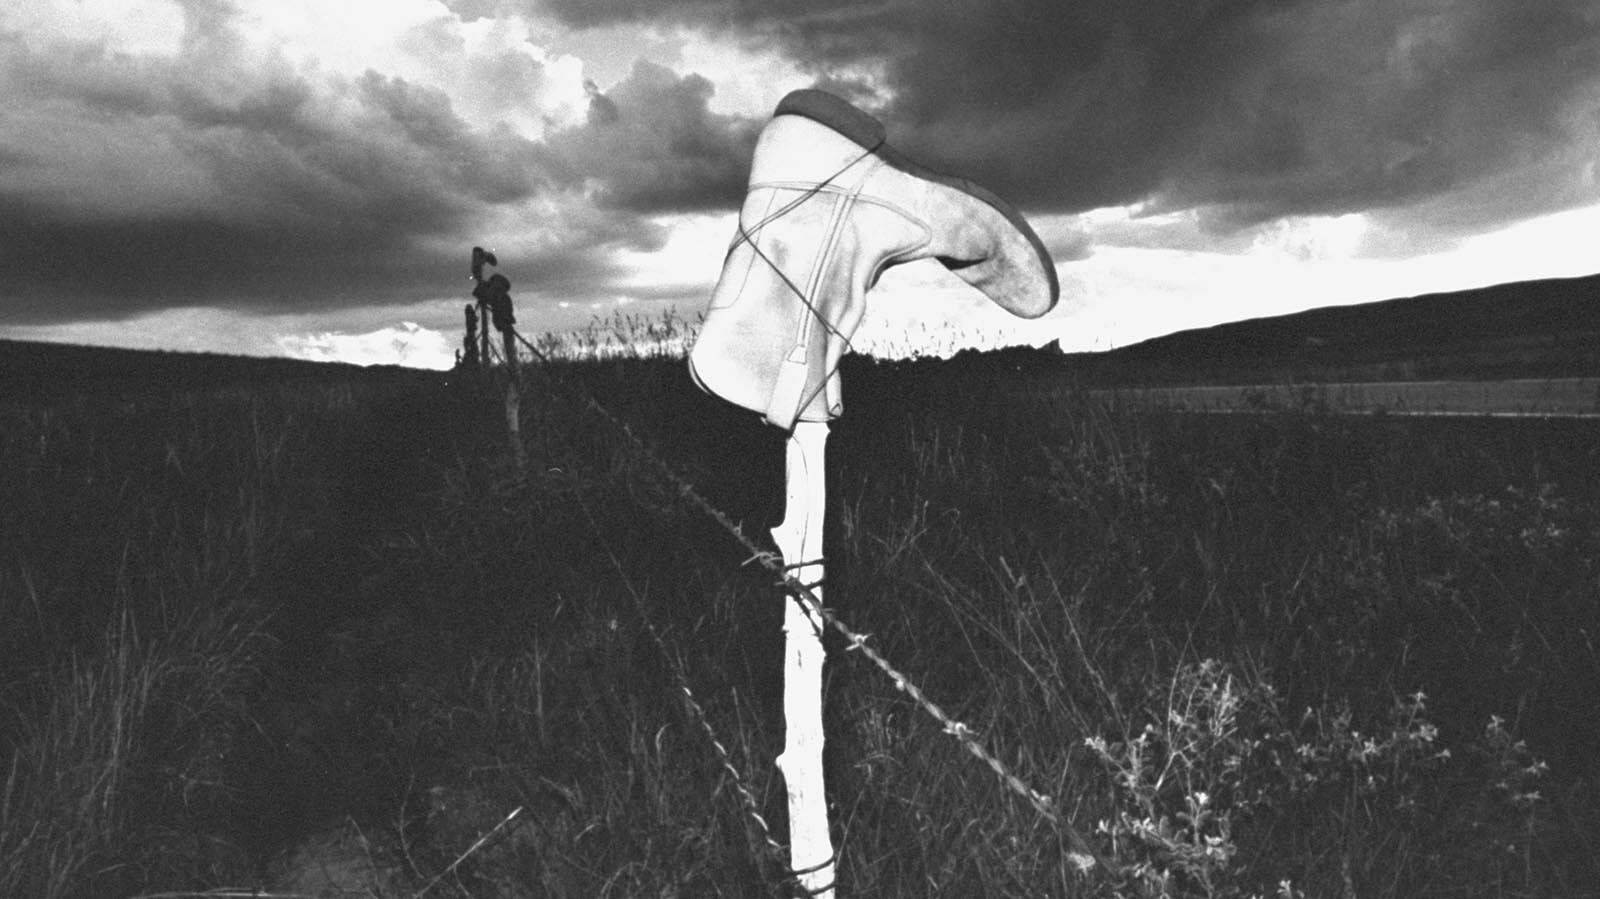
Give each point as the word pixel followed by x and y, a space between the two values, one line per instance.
pixel 1526 397
pixel 321 636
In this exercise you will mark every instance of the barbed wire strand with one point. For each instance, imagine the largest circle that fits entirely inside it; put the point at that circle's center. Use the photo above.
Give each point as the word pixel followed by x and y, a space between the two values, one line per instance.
pixel 1083 855
pixel 752 808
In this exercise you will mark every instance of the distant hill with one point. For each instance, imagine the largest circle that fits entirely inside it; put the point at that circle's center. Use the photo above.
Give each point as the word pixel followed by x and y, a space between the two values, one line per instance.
pixel 1531 329
pixel 1527 329
pixel 30 368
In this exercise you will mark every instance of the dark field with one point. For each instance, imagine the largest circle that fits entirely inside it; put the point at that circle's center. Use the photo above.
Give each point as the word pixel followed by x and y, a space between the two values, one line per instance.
pixel 1528 397
pixel 318 635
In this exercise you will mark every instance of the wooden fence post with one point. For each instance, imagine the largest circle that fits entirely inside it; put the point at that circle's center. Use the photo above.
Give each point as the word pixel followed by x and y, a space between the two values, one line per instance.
pixel 799 539
pixel 470 342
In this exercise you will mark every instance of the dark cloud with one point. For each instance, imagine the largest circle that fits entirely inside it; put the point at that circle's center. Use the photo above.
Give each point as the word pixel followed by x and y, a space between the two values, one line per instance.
pixel 574 256
pixel 1257 108
pixel 1369 105
pixel 118 269
pixel 744 13
pixel 230 175
pixel 262 188
pixel 264 185
pixel 651 144
pixel 62 271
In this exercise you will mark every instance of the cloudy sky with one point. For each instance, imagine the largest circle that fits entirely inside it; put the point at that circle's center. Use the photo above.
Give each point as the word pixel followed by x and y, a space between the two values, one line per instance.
pixel 307 177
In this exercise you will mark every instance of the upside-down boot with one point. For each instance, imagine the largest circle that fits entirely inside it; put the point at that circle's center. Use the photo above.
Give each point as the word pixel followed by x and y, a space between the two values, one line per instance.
pixel 830 207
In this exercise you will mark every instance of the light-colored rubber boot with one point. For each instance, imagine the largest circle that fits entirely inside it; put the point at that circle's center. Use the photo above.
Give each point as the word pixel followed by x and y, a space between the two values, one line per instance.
pixel 830 206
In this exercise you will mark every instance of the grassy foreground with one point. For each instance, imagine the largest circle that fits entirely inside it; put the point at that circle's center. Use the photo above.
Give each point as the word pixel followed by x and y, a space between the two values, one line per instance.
pixel 320 639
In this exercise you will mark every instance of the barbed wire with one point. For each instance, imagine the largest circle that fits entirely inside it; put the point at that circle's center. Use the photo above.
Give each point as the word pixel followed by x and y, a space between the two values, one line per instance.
pixel 1081 853
pixel 752 808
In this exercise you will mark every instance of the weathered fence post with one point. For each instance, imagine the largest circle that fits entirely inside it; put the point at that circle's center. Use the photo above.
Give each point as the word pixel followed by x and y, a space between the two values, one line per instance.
pixel 483 336
pixel 799 539
pixel 829 206
pixel 470 342
pixel 514 404
pixel 494 301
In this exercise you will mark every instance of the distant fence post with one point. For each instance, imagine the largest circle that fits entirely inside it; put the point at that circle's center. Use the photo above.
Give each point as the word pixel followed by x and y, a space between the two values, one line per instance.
pixel 494 306
pixel 514 421
pixel 470 343
pixel 483 336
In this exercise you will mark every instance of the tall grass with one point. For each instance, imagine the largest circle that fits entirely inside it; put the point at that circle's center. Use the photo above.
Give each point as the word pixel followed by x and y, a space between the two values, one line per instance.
pixel 622 335
pixel 1194 628
pixel 154 544
pixel 1284 656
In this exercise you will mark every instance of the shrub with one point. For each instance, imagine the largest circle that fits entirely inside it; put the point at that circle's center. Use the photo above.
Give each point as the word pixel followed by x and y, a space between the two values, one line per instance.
pixel 1217 794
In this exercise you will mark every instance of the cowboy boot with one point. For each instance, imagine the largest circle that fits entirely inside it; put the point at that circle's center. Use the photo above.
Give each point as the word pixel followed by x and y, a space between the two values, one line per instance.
pixel 830 207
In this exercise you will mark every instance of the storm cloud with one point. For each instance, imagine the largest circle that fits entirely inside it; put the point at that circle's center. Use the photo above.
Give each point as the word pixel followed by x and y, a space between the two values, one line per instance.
pixel 1258 108
pixel 223 168
pixel 652 144
pixel 227 176
pixel 140 183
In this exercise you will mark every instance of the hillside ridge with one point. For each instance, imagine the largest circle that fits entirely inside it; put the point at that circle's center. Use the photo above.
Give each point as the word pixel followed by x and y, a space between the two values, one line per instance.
pixel 33 367
pixel 1546 328
pixel 1542 328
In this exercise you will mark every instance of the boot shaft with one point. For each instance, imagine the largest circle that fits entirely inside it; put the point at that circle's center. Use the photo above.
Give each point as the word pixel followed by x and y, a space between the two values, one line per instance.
pixel 830 206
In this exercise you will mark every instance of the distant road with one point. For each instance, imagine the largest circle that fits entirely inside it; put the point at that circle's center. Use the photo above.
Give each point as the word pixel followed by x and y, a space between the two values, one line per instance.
pixel 1530 398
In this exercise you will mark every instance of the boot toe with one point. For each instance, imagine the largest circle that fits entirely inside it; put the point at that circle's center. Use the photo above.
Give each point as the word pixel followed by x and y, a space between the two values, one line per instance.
pixel 990 245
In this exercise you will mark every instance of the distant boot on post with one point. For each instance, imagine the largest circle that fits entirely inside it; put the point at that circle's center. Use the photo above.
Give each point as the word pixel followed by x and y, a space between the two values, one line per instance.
pixel 830 207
